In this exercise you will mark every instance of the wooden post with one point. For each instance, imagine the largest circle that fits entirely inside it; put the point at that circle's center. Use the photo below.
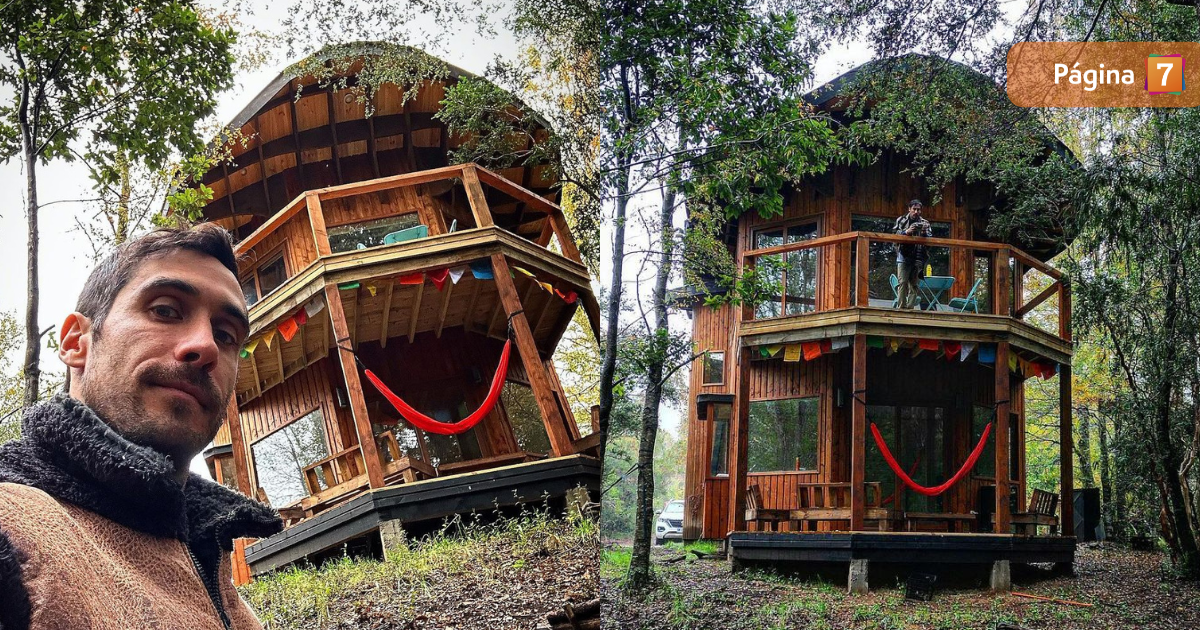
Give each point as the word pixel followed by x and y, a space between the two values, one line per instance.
pixel 1065 454
pixel 1001 285
pixel 475 196
pixel 739 426
pixel 858 439
pixel 358 403
pixel 556 426
pixel 316 217
pixel 862 279
pixel 241 467
pixel 1018 287
pixel 1064 310
pixel 1003 516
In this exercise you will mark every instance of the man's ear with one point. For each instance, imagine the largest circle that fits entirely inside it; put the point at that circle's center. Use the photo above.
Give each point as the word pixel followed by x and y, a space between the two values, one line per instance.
pixel 75 340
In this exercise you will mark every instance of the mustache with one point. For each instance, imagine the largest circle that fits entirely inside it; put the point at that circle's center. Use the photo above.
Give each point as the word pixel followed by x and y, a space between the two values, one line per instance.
pixel 209 396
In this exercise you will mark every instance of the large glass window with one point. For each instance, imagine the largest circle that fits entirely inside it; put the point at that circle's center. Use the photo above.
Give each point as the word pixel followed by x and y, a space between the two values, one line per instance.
pixel 714 368
pixel 793 275
pixel 783 435
pixel 719 458
pixel 280 458
pixel 344 238
pixel 882 264
pixel 916 438
pixel 986 466
pixel 525 417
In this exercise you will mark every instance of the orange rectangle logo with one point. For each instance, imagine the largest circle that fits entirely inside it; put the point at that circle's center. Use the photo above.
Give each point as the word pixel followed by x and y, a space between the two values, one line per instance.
pixel 1104 74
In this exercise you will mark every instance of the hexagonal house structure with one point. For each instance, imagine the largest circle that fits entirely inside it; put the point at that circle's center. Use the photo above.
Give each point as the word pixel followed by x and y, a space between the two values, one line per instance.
pixel 365 253
pixel 783 461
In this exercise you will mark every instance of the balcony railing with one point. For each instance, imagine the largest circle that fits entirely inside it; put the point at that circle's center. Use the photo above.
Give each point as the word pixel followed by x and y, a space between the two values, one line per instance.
pixel 858 270
pixel 302 223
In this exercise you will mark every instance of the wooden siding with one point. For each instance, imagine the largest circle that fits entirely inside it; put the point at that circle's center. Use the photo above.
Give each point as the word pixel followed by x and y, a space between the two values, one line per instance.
pixel 712 330
pixel 297 396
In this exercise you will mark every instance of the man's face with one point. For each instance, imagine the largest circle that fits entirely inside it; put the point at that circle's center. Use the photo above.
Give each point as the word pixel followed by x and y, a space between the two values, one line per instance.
pixel 914 210
pixel 164 366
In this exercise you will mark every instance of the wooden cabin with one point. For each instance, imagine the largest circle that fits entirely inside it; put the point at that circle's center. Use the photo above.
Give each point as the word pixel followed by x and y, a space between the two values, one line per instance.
pixel 782 460
pixel 364 251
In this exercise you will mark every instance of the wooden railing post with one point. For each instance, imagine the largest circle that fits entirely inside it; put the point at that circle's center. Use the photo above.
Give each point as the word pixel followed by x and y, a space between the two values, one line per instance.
pixel 1003 515
pixel 241 467
pixel 1001 296
pixel 1066 462
pixel 1018 290
pixel 475 196
pixel 858 434
pixel 358 403
pixel 862 279
pixel 1064 310
pixel 316 218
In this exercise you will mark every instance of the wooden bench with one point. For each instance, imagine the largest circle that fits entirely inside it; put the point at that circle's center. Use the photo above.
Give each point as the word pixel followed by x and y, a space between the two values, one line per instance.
pixel 1041 510
pixel 397 465
pixel 756 513
pixel 831 502
pixel 952 520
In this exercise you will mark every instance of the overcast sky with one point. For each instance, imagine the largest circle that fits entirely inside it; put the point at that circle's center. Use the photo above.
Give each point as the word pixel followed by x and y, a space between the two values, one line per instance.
pixel 66 254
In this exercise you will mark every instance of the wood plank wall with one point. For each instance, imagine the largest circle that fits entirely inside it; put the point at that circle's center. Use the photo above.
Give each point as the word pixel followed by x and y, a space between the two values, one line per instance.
pixel 881 189
pixel 307 390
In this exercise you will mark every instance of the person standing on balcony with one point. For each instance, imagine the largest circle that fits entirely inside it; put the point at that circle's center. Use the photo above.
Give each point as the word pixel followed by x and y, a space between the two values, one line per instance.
pixel 910 257
pixel 101 523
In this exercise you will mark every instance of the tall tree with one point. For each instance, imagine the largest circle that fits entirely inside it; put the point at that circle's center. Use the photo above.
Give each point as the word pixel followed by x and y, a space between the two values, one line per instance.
pixel 117 82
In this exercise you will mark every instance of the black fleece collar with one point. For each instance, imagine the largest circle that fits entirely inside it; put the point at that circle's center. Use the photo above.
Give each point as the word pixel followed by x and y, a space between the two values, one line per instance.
pixel 67 451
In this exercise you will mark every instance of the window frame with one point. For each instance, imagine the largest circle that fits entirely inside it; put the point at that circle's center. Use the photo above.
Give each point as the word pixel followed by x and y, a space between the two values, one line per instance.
pixel 820 448
pixel 785 224
pixel 704 368
pixel 278 251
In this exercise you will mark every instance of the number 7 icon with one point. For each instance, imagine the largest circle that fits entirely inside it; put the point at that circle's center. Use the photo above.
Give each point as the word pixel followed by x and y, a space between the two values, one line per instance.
pixel 1164 74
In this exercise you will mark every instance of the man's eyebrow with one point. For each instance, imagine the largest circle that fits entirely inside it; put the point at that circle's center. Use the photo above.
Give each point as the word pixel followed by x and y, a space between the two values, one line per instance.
pixel 237 314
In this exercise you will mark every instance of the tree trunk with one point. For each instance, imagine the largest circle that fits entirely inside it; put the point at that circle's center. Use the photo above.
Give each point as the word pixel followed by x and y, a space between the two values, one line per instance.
pixel 1111 525
pixel 33 337
pixel 121 231
pixel 639 566
pixel 1083 448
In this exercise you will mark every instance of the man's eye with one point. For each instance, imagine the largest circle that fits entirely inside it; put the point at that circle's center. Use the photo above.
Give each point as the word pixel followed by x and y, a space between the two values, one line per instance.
pixel 225 338
pixel 162 310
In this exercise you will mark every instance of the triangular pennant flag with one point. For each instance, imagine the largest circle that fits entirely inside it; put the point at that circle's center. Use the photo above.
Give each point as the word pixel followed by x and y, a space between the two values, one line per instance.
pixel 346 286
pixel 951 348
pixel 524 271
pixel 250 347
pixel 288 328
pixel 571 297
pixel 1012 362
pixel 269 337
pixel 301 317
pixel 763 352
pixel 438 277
pixel 547 286
pixel 314 306
pixel 791 354
pixel 987 353
pixel 560 294
pixel 774 349
pixel 892 347
pixel 967 349
pixel 371 289
pixel 456 274
pixel 413 278
pixel 244 353
pixel 482 270
pixel 839 343
pixel 812 350
pixel 874 342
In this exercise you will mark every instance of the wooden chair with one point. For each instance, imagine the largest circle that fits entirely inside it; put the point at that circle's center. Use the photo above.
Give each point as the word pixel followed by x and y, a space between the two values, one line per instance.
pixel 1041 510
pixel 756 513
pixel 831 502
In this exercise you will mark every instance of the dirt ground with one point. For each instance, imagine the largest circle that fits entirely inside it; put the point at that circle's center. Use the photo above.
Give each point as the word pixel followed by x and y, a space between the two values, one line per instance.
pixel 1127 589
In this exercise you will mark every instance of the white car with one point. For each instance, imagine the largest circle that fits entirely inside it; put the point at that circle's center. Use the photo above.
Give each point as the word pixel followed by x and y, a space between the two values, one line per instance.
pixel 669 525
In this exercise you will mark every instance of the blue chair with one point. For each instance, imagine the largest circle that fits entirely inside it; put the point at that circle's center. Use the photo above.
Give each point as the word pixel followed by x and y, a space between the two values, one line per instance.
pixel 407 234
pixel 895 282
pixel 962 304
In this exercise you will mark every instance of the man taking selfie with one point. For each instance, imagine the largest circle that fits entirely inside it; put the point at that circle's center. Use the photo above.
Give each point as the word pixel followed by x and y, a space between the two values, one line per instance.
pixel 101 523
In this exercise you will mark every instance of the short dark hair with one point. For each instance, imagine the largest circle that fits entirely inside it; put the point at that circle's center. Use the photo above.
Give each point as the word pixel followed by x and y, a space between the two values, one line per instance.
pixel 915 202
pixel 114 272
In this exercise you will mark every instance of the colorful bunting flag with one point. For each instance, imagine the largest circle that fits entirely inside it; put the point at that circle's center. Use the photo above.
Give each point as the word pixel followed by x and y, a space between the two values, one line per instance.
pixel 840 342
pixel 482 270
pixel 524 271
pixel 287 328
pixel 812 349
pixel 371 289
pixel 250 348
pixel 791 353
pixel 269 337
pixel 571 297
pixel 438 277
pixel 763 352
pixel 314 306
pixel 987 353
pixel 456 274
pixel 413 278
pixel 547 286
pixel 560 294
pixel 928 344
pixel 301 317
pixel 346 286
pixel 1012 362
pixel 243 354
pixel 951 348
pixel 774 349
pixel 875 342
pixel 967 349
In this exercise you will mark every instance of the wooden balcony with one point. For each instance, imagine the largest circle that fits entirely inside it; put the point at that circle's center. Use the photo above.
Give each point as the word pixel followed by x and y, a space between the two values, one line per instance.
pixel 840 285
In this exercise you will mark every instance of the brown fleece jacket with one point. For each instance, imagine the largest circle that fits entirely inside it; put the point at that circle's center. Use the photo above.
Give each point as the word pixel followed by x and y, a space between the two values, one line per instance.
pixel 95 532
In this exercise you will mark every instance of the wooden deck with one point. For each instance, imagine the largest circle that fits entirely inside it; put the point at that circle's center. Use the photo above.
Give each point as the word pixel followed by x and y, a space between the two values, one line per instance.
pixel 897 547
pixel 425 502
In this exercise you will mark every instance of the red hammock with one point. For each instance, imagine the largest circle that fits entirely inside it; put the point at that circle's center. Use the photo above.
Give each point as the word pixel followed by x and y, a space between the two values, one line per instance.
pixel 931 492
pixel 425 423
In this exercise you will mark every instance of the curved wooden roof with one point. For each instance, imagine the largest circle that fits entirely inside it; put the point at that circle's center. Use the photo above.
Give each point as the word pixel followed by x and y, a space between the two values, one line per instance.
pixel 301 134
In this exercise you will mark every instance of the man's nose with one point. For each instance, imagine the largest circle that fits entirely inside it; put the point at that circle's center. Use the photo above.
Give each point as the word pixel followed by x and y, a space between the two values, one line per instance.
pixel 198 346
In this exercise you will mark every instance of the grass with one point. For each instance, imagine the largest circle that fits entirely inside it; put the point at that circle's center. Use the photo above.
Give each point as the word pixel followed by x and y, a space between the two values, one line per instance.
pixel 499 550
